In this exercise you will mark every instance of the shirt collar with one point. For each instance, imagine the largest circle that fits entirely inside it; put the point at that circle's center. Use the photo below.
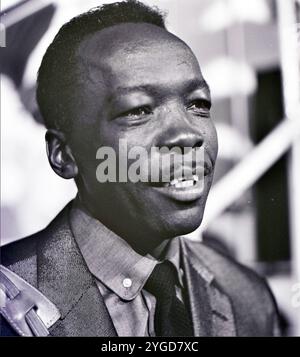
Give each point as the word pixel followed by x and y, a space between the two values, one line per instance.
pixel 111 259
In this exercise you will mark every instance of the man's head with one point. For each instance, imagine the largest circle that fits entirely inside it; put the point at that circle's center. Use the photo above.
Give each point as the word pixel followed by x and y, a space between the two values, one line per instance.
pixel 117 74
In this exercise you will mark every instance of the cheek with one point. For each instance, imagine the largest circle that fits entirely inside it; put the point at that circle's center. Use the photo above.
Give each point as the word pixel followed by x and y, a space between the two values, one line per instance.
pixel 212 140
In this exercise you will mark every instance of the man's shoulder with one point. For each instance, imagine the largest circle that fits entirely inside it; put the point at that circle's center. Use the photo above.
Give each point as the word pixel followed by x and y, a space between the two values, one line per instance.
pixel 238 281
pixel 21 256
pixel 254 307
pixel 221 263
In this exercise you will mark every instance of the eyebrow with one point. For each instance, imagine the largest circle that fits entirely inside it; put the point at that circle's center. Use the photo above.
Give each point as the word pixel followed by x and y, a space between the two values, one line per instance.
pixel 189 87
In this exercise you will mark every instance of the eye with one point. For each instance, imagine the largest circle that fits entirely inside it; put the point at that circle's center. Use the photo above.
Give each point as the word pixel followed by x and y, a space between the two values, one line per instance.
pixel 200 107
pixel 138 112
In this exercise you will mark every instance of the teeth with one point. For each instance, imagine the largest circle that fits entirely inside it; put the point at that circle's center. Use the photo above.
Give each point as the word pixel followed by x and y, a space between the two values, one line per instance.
pixel 184 184
pixel 174 182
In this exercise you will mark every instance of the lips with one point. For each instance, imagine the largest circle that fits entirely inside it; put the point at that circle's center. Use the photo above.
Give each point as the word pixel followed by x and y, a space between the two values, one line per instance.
pixel 183 176
pixel 185 191
pixel 188 188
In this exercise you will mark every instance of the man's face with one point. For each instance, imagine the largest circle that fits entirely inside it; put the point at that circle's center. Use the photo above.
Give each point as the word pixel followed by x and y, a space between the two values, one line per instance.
pixel 141 84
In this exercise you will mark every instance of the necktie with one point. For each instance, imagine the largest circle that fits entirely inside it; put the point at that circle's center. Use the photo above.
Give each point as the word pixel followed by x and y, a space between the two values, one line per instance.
pixel 171 316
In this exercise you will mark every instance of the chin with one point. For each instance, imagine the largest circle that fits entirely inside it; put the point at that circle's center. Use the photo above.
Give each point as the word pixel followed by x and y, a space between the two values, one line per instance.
pixel 184 222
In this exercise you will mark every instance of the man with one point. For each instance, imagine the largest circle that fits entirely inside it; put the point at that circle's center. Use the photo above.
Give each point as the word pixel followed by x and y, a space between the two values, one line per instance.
pixel 113 262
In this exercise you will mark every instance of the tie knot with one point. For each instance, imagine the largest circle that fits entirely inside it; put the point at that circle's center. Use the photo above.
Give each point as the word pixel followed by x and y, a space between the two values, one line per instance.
pixel 163 279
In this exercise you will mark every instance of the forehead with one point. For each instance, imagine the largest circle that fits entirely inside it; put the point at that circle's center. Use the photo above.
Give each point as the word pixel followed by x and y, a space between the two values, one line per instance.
pixel 136 54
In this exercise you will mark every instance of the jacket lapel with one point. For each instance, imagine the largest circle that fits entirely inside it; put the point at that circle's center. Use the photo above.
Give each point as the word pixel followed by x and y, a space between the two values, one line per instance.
pixel 211 309
pixel 198 299
pixel 65 279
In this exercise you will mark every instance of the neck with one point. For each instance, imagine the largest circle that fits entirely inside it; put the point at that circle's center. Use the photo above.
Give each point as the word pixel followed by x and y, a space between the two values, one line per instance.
pixel 143 241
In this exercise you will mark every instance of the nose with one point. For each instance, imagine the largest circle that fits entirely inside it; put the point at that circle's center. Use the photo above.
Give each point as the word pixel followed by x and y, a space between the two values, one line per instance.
pixel 179 132
pixel 178 137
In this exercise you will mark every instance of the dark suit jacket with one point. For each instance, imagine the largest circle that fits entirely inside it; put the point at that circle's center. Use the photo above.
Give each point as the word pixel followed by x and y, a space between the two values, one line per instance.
pixel 234 302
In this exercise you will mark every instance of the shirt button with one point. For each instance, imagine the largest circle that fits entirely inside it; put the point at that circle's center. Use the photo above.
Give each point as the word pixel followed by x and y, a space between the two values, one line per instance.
pixel 127 283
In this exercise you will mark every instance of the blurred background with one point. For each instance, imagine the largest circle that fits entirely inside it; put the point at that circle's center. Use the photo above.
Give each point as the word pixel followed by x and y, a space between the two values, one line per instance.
pixel 249 52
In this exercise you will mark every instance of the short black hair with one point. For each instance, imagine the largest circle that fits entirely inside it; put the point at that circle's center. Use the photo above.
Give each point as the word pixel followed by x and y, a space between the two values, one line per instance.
pixel 54 95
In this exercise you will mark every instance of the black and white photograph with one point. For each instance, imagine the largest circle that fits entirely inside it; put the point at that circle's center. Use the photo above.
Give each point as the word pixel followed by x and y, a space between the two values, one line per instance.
pixel 150 170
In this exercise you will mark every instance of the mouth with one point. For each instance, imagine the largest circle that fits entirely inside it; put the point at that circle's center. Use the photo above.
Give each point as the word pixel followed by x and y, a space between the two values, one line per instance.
pixel 183 182
pixel 185 189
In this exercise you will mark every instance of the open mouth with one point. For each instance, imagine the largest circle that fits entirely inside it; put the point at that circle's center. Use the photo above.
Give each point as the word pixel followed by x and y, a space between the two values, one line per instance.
pixel 184 177
pixel 186 184
pixel 186 189
pixel 183 182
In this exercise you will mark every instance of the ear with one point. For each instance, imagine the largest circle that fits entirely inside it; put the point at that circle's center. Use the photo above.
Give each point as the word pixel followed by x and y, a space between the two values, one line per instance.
pixel 59 154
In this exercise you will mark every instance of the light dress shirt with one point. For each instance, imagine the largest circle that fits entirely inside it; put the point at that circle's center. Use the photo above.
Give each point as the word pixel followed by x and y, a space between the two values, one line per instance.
pixel 121 272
